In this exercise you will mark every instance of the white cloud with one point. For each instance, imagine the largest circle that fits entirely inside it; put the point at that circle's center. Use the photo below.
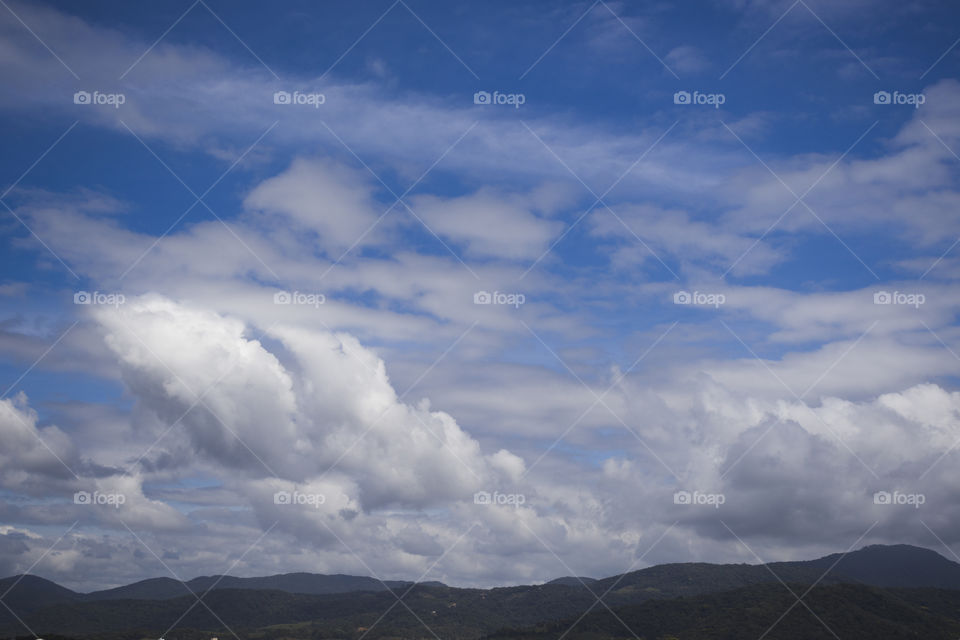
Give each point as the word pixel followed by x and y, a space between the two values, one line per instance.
pixel 320 196
pixel 329 406
pixel 490 224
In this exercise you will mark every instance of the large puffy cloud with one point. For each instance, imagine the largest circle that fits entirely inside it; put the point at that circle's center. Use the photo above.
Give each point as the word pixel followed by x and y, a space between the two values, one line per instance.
pixel 329 407
pixel 180 362
pixel 786 466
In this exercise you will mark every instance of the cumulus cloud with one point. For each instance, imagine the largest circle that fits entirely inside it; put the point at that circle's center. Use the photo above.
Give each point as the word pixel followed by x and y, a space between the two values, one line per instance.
pixel 46 462
pixel 330 406
pixel 31 452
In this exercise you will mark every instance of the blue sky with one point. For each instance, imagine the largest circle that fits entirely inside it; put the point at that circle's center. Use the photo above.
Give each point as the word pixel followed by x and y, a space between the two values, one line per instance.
pixel 783 212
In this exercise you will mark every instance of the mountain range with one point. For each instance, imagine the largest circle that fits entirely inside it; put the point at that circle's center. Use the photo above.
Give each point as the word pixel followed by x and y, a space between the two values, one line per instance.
pixel 891 590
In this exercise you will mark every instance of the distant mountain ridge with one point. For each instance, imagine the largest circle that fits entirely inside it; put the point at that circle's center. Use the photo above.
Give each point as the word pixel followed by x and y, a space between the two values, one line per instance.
pixel 573 581
pixel 31 593
pixel 304 603
pixel 878 565
pixel 306 583
pixel 899 565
